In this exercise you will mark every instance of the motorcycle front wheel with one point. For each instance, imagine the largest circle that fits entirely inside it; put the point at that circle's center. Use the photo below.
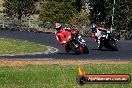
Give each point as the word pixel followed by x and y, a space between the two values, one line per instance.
pixel 75 47
pixel 112 45
pixel 85 50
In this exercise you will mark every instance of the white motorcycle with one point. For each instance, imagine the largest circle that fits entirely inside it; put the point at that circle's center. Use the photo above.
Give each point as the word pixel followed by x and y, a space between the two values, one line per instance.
pixel 107 40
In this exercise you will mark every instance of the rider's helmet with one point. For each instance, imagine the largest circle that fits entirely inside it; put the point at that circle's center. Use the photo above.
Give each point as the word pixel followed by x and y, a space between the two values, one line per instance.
pixel 58 26
pixel 93 28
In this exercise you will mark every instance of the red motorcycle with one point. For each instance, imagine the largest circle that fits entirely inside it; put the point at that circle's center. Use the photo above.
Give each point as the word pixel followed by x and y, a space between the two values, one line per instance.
pixel 72 39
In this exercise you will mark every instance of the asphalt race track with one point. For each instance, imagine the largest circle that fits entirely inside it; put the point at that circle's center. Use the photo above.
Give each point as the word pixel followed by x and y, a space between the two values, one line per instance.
pixel 124 53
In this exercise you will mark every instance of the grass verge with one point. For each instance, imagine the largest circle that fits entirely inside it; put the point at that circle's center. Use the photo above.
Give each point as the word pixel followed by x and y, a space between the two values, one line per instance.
pixel 10 46
pixel 58 76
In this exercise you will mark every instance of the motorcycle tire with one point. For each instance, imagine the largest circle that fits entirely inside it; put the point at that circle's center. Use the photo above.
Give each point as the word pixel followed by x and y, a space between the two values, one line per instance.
pixel 112 45
pixel 85 50
pixel 100 47
pixel 76 50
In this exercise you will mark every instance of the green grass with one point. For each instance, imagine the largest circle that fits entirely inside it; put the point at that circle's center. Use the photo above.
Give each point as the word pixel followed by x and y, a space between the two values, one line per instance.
pixel 58 76
pixel 10 46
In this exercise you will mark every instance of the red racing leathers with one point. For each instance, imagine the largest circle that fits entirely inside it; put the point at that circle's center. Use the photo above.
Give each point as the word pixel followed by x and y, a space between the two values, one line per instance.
pixel 62 36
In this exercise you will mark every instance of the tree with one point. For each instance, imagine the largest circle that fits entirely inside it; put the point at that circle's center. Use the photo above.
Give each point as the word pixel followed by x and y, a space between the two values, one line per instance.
pixel 62 11
pixel 123 14
pixel 19 8
pixel 102 11
pixel 82 18
pixel 78 5
pixel 97 11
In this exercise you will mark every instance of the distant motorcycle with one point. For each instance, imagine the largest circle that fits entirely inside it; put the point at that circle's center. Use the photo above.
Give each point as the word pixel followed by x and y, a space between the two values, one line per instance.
pixel 75 42
pixel 107 40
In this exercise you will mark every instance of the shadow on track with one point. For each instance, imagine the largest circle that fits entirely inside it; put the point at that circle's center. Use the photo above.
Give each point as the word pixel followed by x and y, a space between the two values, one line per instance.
pixel 104 50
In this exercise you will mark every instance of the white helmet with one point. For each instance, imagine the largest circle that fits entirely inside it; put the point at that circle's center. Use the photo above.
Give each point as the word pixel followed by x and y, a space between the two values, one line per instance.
pixel 57 25
pixel 93 25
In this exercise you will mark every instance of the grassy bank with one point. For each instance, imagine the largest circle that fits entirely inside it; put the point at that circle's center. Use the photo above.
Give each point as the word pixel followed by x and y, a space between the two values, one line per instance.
pixel 10 46
pixel 58 76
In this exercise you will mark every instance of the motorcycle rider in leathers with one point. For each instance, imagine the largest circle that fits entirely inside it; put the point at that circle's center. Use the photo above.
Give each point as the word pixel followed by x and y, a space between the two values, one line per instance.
pixel 60 33
pixel 96 34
